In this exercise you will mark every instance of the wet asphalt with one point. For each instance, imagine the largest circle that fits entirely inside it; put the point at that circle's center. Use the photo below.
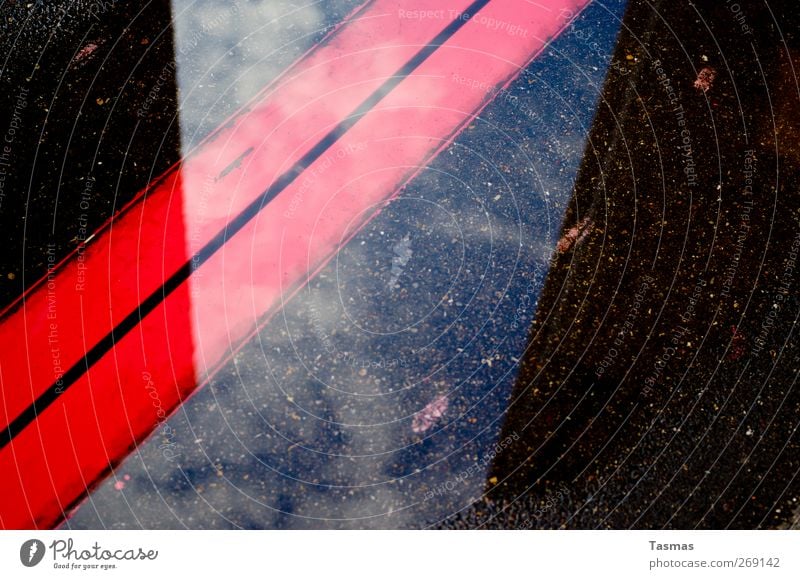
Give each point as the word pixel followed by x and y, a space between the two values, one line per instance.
pixel 313 424
pixel 612 336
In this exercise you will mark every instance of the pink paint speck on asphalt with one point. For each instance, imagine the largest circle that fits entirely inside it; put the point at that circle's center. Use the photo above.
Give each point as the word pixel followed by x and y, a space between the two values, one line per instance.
pixel 85 52
pixel 575 235
pixel 428 416
pixel 705 79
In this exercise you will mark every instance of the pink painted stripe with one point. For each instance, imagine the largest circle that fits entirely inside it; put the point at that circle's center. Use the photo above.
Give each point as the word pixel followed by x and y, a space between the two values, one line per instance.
pixel 303 228
pixel 199 198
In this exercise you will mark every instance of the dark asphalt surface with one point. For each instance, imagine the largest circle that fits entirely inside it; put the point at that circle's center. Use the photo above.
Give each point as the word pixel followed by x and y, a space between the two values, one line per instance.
pixel 496 285
pixel 83 74
pixel 660 387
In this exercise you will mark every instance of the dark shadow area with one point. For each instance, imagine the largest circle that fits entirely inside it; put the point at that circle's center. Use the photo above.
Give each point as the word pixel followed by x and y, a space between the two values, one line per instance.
pixel 90 118
pixel 659 385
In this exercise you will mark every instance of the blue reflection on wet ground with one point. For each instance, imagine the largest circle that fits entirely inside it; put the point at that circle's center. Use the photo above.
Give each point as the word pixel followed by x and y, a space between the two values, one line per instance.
pixel 227 52
pixel 374 399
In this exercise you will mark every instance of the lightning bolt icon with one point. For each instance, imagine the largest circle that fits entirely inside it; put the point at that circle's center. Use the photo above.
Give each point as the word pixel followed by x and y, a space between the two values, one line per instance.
pixel 34 548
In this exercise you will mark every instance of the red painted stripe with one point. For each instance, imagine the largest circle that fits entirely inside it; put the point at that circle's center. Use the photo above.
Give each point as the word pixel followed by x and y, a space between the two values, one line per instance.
pixel 150 370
